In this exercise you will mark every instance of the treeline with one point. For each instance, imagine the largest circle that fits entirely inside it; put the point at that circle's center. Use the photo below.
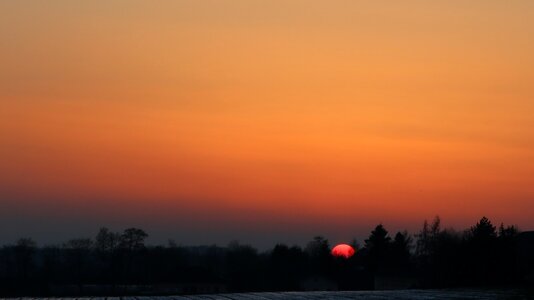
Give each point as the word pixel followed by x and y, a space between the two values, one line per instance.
pixel 482 255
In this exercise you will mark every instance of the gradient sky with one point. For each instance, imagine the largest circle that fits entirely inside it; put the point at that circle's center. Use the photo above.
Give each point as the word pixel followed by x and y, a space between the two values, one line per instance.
pixel 263 121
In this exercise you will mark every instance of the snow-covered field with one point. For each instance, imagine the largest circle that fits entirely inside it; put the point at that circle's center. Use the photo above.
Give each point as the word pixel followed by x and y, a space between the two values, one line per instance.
pixel 344 295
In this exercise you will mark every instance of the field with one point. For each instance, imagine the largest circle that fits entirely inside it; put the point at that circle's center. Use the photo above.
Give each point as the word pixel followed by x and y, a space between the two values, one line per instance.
pixel 345 295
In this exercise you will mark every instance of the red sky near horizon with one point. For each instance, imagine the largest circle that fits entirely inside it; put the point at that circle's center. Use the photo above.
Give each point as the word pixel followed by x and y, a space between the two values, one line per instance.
pixel 265 115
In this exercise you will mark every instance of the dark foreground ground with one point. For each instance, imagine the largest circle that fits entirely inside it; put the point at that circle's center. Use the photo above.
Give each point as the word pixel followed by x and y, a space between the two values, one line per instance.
pixel 345 295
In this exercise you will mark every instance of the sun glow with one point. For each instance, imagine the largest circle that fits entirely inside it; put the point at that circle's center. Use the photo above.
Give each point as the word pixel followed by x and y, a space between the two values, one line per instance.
pixel 343 250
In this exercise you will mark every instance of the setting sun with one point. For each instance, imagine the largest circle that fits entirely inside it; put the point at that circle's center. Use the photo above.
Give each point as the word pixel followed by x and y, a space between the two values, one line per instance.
pixel 343 250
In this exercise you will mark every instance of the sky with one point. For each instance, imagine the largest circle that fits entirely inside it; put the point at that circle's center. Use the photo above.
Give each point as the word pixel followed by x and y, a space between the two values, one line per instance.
pixel 263 121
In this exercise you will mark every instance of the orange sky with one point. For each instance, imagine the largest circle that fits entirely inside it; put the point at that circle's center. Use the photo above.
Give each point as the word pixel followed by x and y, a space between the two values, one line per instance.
pixel 320 116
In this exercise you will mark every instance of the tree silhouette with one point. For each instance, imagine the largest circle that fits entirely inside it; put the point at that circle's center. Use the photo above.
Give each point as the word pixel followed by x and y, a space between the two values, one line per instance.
pixel 508 232
pixel 106 245
pixel 24 255
pixel 133 239
pixel 320 260
pixel 481 250
pixel 106 241
pixel 400 254
pixel 78 251
pixel 243 265
pixel 378 240
pixel 378 245
pixel 484 230
pixel 427 238
pixel 118 264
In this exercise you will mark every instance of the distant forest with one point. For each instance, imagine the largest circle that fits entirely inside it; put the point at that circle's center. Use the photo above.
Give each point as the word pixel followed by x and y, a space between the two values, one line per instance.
pixel 121 263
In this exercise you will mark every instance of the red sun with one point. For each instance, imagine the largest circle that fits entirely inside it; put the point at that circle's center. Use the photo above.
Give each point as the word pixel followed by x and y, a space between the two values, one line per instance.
pixel 343 250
